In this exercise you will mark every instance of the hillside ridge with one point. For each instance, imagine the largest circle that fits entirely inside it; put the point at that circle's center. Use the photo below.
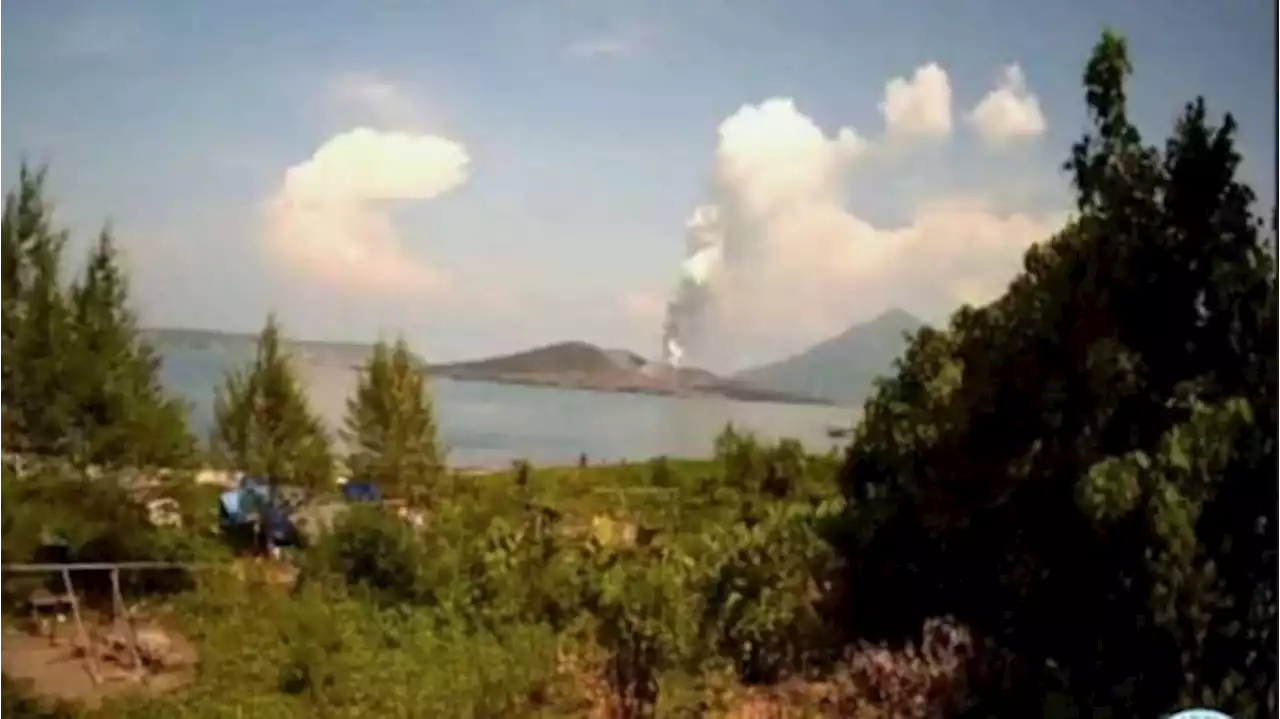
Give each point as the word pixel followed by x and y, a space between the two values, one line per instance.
pixel 572 364
pixel 842 368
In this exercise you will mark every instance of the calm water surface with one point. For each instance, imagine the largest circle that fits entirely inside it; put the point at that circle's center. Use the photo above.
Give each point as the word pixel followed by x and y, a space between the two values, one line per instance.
pixel 487 424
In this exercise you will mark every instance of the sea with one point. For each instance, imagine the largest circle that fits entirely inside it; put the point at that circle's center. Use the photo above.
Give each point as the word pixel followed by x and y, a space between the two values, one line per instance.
pixel 486 424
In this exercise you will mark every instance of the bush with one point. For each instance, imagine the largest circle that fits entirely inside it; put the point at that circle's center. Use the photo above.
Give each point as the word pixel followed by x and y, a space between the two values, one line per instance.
pixel 375 551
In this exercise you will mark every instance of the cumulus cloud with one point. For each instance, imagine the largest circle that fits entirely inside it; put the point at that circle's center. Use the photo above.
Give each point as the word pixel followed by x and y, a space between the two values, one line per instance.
pixel 795 264
pixel 775 156
pixel 919 107
pixel 770 158
pixel 330 218
pixel 1010 112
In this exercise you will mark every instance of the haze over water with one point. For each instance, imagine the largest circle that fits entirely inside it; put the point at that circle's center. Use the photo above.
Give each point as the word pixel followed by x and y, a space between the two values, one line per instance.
pixel 487 424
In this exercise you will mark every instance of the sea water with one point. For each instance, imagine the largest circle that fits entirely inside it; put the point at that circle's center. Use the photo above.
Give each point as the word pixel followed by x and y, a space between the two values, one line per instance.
pixel 485 424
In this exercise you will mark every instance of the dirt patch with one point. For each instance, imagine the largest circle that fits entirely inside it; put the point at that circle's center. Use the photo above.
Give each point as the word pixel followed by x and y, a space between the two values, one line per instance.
pixel 61 665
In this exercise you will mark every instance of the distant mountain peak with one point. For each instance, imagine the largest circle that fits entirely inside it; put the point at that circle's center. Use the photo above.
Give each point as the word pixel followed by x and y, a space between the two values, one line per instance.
pixel 843 368
pixel 895 316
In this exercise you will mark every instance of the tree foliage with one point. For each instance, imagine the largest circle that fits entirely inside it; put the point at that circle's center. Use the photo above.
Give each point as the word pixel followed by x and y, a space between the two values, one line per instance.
pixel 263 423
pixel 1083 468
pixel 78 381
pixel 390 427
pixel 1069 490
pixel 123 417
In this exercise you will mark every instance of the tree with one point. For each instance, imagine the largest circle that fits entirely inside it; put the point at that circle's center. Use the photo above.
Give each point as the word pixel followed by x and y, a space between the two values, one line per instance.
pixel 23 220
pixel 263 424
pixel 390 425
pixel 1081 470
pixel 42 352
pixel 78 381
pixel 35 326
pixel 122 416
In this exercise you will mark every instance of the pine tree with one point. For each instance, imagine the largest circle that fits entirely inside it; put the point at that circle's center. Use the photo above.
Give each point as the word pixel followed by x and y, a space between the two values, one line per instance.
pixel 264 425
pixel 23 221
pixel 121 417
pixel 390 425
pixel 78 382
pixel 42 351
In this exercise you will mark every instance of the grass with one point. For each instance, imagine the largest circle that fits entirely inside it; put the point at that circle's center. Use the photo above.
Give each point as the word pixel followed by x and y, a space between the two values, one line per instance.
pixel 531 592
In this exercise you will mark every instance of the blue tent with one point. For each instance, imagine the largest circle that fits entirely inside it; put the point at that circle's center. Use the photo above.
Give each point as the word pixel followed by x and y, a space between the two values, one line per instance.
pixel 361 492
pixel 240 507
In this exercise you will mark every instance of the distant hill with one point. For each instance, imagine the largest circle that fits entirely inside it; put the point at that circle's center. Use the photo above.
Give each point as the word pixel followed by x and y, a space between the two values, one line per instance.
pixel 244 344
pixel 572 365
pixel 580 365
pixel 560 357
pixel 842 369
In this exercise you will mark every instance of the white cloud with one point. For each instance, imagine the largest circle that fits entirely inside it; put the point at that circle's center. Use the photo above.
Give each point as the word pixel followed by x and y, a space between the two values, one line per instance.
pixel 329 219
pixel 798 265
pixel 1010 112
pixel 919 107
pixel 775 156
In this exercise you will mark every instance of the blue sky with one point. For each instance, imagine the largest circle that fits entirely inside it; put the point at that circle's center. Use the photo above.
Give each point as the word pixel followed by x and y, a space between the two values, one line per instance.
pixel 527 169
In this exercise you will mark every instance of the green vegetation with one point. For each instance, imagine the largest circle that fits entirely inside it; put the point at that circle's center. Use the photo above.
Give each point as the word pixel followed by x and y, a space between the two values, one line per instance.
pixel 391 427
pixel 1082 470
pixel 77 384
pixel 1060 504
pixel 263 424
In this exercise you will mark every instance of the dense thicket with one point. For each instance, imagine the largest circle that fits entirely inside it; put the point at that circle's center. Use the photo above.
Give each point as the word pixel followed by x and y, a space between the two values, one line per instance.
pixel 1084 470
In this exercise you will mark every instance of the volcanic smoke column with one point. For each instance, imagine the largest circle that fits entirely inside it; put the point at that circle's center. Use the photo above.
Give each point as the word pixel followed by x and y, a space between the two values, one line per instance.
pixel 705 244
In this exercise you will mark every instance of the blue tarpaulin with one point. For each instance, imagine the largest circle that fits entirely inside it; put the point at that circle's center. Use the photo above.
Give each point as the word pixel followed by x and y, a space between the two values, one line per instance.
pixel 361 492
pixel 252 500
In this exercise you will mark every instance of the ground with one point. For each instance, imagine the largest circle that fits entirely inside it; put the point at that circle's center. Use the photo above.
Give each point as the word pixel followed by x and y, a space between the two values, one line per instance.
pixel 59 670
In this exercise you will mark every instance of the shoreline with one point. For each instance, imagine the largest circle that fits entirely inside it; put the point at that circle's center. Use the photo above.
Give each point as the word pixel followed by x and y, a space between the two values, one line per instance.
pixel 748 395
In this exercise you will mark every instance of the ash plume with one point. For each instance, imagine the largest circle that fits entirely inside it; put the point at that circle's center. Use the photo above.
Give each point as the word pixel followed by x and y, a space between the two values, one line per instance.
pixel 704 254
pixel 775 256
pixel 773 167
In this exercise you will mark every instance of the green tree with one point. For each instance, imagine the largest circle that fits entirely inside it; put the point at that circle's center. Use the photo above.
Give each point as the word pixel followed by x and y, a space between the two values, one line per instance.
pixel 78 381
pixel 36 330
pixel 122 416
pixel 1082 470
pixel 42 351
pixel 390 426
pixel 23 221
pixel 263 424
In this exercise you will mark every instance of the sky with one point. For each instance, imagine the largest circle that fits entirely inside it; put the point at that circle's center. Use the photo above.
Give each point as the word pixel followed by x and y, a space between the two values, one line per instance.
pixel 483 176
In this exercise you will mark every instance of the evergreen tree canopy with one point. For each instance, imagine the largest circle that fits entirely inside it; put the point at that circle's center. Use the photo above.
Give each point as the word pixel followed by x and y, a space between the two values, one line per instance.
pixel 263 424
pixel 26 238
pixel 122 415
pixel 390 426
pixel 78 382
pixel 1084 470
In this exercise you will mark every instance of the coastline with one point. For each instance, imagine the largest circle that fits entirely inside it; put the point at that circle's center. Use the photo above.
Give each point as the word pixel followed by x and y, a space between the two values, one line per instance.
pixel 736 394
